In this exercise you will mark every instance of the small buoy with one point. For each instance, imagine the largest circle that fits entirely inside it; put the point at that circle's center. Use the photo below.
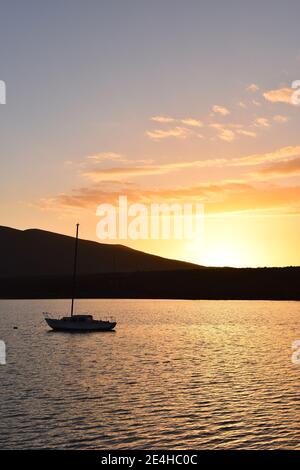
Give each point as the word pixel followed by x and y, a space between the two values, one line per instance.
pixel 15 327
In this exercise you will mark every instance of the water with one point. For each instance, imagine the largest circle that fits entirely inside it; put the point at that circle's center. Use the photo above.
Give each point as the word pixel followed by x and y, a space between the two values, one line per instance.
pixel 175 374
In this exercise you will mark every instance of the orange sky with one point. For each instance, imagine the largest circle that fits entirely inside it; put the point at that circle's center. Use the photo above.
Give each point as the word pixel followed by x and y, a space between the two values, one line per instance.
pixel 251 199
pixel 183 112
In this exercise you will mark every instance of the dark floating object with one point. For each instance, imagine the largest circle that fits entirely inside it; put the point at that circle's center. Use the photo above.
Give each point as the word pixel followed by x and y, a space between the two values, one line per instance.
pixel 78 322
pixel 15 327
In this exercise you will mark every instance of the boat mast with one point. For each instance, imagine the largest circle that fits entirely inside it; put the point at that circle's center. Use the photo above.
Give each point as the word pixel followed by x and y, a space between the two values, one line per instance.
pixel 74 270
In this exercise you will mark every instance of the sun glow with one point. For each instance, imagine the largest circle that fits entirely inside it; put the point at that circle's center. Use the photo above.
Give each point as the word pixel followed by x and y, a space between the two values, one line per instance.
pixel 223 256
pixel 215 252
pixel 246 241
pixel 233 240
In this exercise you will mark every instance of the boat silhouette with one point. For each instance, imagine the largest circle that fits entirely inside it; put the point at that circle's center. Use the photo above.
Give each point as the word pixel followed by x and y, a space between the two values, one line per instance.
pixel 82 322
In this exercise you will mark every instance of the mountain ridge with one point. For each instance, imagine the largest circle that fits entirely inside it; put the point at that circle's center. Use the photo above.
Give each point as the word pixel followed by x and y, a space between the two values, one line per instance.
pixel 35 252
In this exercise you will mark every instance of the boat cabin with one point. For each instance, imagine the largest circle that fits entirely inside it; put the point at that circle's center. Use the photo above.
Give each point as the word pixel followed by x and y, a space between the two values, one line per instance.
pixel 79 318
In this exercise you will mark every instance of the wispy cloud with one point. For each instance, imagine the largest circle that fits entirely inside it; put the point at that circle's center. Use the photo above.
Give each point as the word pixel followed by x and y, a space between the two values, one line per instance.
pixel 226 134
pixel 175 132
pixel 221 197
pixel 192 122
pixel 259 158
pixel 89 197
pixel 280 118
pixel 217 109
pixel 280 95
pixel 223 132
pixel 281 169
pixel 121 173
pixel 256 103
pixel 107 156
pixel 230 131
pixel 185 128
pixel 113 157
pixel 162 119
pixel 262 122
pixel 246 133
pixel 143 167
pixel 252 88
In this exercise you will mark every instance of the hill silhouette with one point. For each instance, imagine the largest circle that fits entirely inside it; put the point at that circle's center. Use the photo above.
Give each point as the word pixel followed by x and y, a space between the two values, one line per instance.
pixel 38 264
pixel 39 253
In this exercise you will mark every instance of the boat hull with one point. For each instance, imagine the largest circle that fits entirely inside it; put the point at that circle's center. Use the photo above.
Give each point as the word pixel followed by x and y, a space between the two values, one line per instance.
pixel 95 325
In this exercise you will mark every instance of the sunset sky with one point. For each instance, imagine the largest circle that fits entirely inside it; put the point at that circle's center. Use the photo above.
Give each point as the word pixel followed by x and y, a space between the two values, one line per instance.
pixel 162 101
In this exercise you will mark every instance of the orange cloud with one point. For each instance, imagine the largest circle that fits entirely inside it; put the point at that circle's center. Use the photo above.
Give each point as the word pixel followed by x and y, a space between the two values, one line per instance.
pixel 223 197
pixel 280 169
pixel 120 173
pixel 259 158
pixel 246 133
pixel 230 131
pixel 176 132
pixel 223 132
pixel 91 196
pixel 262 122
pixel 192 122
pixel 227 135
pixel 281 95
pixel 162 119
pixel 103 156
pixel 104 174
pixel 217 109
pixel 275 200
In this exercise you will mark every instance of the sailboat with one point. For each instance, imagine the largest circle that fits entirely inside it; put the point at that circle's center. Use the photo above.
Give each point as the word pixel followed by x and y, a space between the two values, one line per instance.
pixel 74 322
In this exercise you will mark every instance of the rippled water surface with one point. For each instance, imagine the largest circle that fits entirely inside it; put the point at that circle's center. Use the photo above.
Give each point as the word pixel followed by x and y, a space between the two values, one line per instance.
pixel 175 374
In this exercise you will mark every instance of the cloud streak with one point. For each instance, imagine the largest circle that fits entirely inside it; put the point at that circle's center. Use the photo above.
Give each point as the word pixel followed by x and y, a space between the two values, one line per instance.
pixel 144 168
pixel 175 132
pixel 281 169
pixel 222 197
pixel 162 119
